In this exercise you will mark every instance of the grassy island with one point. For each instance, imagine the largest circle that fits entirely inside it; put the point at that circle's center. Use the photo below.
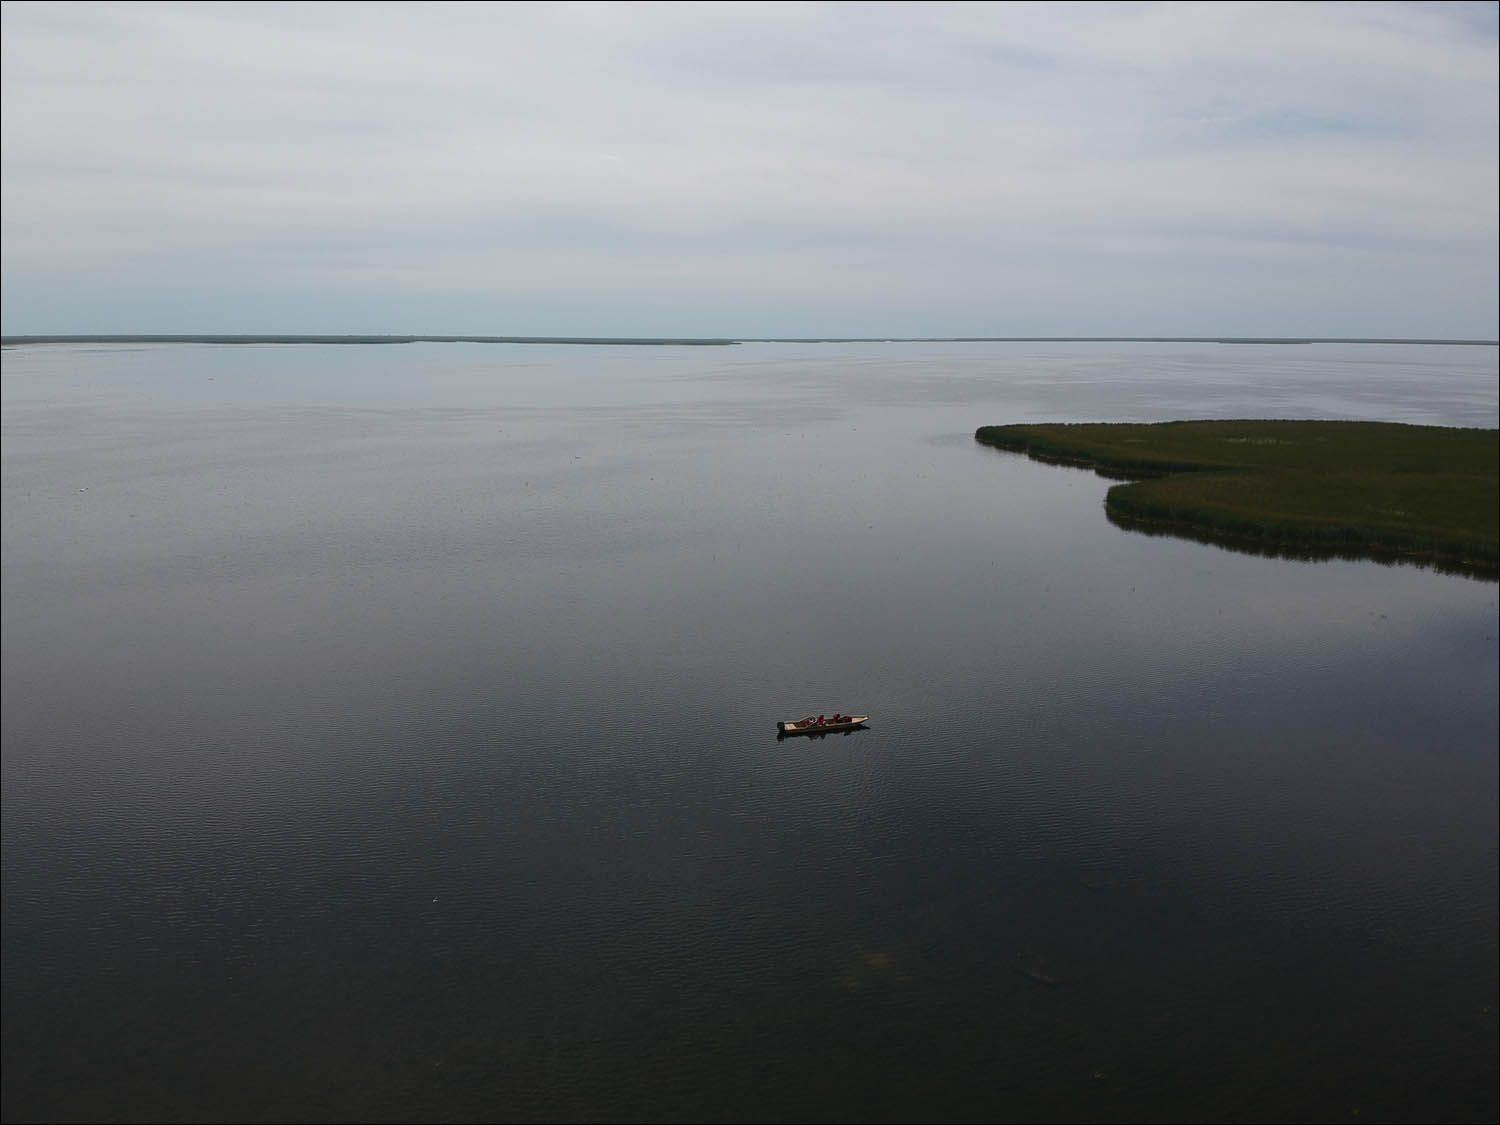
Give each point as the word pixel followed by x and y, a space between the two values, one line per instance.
pixel 1316 489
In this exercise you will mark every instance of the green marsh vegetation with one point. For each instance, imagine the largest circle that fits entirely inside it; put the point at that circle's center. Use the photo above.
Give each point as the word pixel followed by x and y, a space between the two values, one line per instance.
pixel 1382 490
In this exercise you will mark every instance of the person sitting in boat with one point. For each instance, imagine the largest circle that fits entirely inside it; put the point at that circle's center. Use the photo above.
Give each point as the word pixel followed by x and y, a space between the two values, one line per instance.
pixel 820 720
pixel 837 718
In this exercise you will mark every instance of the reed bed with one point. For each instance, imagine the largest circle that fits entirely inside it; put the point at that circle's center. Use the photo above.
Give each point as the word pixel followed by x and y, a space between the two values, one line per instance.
pixel 1372 489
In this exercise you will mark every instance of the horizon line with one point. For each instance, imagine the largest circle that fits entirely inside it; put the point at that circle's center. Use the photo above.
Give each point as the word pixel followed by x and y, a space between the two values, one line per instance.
pixel 687 341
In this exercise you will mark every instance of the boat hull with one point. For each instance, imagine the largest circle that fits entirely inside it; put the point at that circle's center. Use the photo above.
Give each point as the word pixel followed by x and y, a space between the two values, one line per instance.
pixel 802 726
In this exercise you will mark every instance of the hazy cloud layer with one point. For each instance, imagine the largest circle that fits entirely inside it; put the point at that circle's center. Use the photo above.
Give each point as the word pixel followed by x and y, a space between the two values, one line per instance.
pixel 751 169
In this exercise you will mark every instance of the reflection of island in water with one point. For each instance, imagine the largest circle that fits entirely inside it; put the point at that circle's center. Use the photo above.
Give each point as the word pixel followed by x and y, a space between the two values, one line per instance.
pixel 1384 491
pixel 1247 545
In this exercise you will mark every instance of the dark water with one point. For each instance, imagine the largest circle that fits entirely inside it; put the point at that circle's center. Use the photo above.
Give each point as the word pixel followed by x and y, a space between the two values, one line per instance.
pixel 389 735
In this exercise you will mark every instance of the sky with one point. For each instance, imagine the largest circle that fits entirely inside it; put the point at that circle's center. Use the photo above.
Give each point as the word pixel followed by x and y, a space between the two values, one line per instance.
pixel 751 169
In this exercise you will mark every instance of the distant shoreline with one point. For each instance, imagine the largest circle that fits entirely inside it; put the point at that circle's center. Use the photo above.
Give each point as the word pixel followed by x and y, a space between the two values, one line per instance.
pixel 150 338
pixel 10 341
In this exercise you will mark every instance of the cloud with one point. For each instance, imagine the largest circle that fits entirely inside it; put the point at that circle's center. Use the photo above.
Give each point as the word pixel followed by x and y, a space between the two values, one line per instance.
pixel 876 157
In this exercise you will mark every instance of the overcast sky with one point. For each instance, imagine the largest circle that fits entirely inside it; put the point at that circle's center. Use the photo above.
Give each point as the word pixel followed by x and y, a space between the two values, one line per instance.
pixel 751 169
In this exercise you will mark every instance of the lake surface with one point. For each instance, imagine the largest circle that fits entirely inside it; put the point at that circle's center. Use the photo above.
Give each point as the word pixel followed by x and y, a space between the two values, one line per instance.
pixel 389 736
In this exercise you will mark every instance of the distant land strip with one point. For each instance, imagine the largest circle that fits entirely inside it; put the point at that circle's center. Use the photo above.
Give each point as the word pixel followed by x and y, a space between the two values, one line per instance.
pixel 1305 489
pixel 248 339
pixel 147 338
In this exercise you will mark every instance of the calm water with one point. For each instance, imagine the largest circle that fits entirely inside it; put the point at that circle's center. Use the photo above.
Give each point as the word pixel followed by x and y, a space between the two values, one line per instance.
pixel 389 735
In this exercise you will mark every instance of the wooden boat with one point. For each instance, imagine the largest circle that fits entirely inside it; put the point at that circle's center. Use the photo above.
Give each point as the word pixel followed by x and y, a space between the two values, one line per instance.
pixel 811 725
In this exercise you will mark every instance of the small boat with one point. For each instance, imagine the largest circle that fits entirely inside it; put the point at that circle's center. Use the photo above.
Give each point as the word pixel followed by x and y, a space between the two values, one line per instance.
pixel 811 725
